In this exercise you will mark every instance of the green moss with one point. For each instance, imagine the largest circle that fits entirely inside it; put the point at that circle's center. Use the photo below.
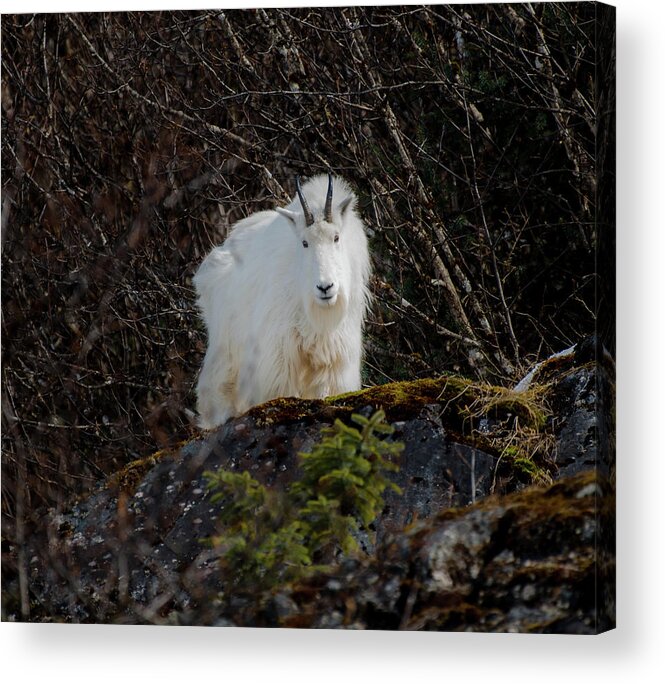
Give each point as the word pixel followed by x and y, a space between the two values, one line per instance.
pixel 406 399
pixel 399 401
pixel 128 478
pixel 528 467
pixel 459 399
pixel 285 410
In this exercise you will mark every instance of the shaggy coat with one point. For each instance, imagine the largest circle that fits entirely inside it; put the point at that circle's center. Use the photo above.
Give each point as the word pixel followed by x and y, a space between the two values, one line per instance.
pixel 284 303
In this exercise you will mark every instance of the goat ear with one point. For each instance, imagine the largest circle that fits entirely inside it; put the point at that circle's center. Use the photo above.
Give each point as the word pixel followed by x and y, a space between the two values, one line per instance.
pixel 346 203
pixel 291 215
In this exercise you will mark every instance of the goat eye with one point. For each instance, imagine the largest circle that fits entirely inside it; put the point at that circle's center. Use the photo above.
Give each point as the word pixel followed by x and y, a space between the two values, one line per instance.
pixel 305 244
pixel 336 238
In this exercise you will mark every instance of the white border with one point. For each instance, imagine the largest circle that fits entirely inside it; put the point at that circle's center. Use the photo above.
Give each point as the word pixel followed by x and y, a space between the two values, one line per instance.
pixel 633 652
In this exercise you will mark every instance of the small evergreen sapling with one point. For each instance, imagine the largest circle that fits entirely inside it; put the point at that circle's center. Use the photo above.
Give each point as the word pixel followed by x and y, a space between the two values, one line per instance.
pixel 271 536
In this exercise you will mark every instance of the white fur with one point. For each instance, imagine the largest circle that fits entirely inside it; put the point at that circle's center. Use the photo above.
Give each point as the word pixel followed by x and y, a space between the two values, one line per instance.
pixel 269 332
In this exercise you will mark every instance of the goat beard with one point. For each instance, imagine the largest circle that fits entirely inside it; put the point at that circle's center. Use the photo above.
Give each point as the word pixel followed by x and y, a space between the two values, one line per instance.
pixel 326 315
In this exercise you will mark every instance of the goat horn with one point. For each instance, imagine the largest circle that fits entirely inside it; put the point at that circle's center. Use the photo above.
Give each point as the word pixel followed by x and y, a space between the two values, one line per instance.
pixel 328 210
pixel 309 218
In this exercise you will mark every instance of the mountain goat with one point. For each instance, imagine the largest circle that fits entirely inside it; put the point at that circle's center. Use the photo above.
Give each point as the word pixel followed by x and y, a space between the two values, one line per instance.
pixel 283 300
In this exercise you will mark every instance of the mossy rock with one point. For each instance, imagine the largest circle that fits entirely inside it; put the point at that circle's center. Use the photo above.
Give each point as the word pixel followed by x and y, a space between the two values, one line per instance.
pixel 401 401
pixel 127 479
pixel 527 562
pixel 462 405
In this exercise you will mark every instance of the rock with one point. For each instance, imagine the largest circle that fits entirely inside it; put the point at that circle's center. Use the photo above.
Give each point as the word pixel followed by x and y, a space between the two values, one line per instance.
pixel 467 545
pixel 582 401
pixel 525 562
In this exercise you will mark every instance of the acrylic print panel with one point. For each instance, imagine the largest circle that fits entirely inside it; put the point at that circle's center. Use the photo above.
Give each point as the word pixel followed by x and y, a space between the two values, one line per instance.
pixel 429 446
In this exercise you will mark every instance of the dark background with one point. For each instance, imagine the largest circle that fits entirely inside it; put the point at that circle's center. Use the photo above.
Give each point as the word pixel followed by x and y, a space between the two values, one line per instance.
pixel 132 142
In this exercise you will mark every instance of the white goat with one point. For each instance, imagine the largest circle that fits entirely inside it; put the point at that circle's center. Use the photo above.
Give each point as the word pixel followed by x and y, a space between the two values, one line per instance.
pixel 283 300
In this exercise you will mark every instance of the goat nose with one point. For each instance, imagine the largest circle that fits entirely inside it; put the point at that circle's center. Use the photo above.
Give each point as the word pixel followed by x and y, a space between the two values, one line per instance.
pixel 324 288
